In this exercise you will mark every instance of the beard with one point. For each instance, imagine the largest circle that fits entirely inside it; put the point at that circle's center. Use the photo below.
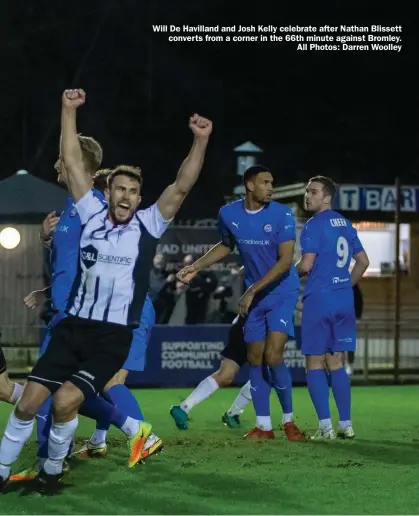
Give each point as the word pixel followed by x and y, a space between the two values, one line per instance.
pixel 120 216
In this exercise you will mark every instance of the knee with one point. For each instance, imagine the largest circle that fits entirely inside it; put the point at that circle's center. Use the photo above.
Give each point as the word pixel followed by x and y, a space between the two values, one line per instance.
pixel 67 401
pixel 274 357
pixel 27 408
pixel 33 396
pixel 223 378
pixel 254 357
pixel 315 362
pixel 118 379
pixel 6 387
pixel 334 361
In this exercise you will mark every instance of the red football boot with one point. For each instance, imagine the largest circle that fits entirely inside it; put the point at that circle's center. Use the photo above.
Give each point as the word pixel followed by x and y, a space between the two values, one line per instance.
pixel 292 432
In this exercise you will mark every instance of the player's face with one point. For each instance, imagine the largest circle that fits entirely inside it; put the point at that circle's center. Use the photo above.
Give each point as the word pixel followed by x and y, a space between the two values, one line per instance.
pixel 262 187
pixel 61 171
pixel 315 198
pixel 124 198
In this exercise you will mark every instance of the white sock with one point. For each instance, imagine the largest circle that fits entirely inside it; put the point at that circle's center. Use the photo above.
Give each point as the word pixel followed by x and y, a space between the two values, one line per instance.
pixel 60 437
pixel 287 418
pixel 325 424
pixel 243 399
pixel 17 392
pixel 201 393
pixel 345 424
pixel 264 422
pixel 98 437
pixel 15 436
pixel 130 427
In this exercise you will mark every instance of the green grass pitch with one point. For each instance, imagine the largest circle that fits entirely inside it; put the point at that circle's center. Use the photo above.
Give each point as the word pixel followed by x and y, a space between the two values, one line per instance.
pixel 210 469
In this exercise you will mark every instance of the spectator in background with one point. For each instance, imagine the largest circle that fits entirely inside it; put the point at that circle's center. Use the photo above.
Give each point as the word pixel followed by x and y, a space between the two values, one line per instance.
pixel 162 290
pixel 198 293
pixel 359 308
pixel 229 291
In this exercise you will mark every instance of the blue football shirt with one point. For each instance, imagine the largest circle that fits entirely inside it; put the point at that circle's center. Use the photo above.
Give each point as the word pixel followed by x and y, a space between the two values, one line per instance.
pixel 257 236
pixel 334 240
pixel 65 253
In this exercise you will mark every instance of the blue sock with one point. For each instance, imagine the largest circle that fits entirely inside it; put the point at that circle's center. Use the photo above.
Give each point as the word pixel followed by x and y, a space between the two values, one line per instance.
pixel 319 392
pixel 261 391
pixel 341 388
pixel 123 398
pixel 99 409
pixel 43 425
pixel 282 383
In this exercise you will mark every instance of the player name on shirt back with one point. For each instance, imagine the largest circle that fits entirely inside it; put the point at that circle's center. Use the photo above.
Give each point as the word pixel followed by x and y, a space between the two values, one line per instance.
pixel 338 223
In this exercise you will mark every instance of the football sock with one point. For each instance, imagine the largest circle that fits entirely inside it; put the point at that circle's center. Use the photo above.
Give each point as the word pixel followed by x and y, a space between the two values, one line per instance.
pixel 17 391
pixel 98 436
pixel 341 388
pixel 281 377
pixel 60 437
pixel 243 399
pixel 15 436
pixel 95 407
pixel 203 391
pixel 43 425
pixel 125 401
pixel 261 390
pixel 319 392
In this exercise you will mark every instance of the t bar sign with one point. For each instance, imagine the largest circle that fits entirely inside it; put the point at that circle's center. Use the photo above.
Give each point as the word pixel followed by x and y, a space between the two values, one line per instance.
pixel 376 198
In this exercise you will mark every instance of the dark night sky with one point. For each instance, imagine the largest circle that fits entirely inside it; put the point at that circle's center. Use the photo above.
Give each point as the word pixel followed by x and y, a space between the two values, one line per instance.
pixel 350 115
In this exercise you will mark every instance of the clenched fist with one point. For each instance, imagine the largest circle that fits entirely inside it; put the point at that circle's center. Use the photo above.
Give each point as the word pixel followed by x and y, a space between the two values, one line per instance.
pixel 73 98
pixel 35 299
pixel 200 126
pixel 48 226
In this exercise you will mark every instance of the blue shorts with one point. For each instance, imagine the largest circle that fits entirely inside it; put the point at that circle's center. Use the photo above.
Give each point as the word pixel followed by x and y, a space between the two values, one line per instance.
pixel 274 312
pixel 328 323
pixel 141 337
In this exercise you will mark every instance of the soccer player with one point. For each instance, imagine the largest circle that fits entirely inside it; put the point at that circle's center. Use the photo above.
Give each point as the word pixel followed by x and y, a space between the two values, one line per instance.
pixel 264 232
pixel 91 344
pixel 116 390
pixel 328 329
pixel 234 357
pixel 64 263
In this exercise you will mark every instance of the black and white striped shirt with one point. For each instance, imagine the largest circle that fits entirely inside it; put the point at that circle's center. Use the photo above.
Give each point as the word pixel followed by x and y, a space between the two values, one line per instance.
pixel 115 263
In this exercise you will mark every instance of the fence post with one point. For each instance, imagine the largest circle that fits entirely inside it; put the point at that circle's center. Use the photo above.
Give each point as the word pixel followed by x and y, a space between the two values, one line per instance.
pixel 397 280
pixel 366 349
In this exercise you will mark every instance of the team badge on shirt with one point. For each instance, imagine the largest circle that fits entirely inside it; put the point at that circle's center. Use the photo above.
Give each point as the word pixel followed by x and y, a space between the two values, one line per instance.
pixel 267 228
pixel 73 212
pixel 89 256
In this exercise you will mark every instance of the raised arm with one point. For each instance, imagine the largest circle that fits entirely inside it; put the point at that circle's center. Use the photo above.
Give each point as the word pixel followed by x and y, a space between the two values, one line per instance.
pixel 78 182
pixel 172 198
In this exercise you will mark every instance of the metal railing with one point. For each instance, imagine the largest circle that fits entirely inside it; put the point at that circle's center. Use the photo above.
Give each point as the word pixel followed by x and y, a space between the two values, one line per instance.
pixel 376 353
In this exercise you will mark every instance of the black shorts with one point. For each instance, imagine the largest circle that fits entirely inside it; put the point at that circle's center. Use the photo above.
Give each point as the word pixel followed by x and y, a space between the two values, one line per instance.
pixel 236 349
pixel 3 366
pixel 84 352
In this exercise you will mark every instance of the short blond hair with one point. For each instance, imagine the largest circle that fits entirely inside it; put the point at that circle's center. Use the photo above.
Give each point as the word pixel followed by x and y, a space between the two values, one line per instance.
pixel 92 153
pixel 126 170
pixel 100 179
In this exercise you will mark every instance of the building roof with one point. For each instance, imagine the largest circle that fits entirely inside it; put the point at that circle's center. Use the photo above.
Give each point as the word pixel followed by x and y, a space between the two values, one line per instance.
pixel 26 195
